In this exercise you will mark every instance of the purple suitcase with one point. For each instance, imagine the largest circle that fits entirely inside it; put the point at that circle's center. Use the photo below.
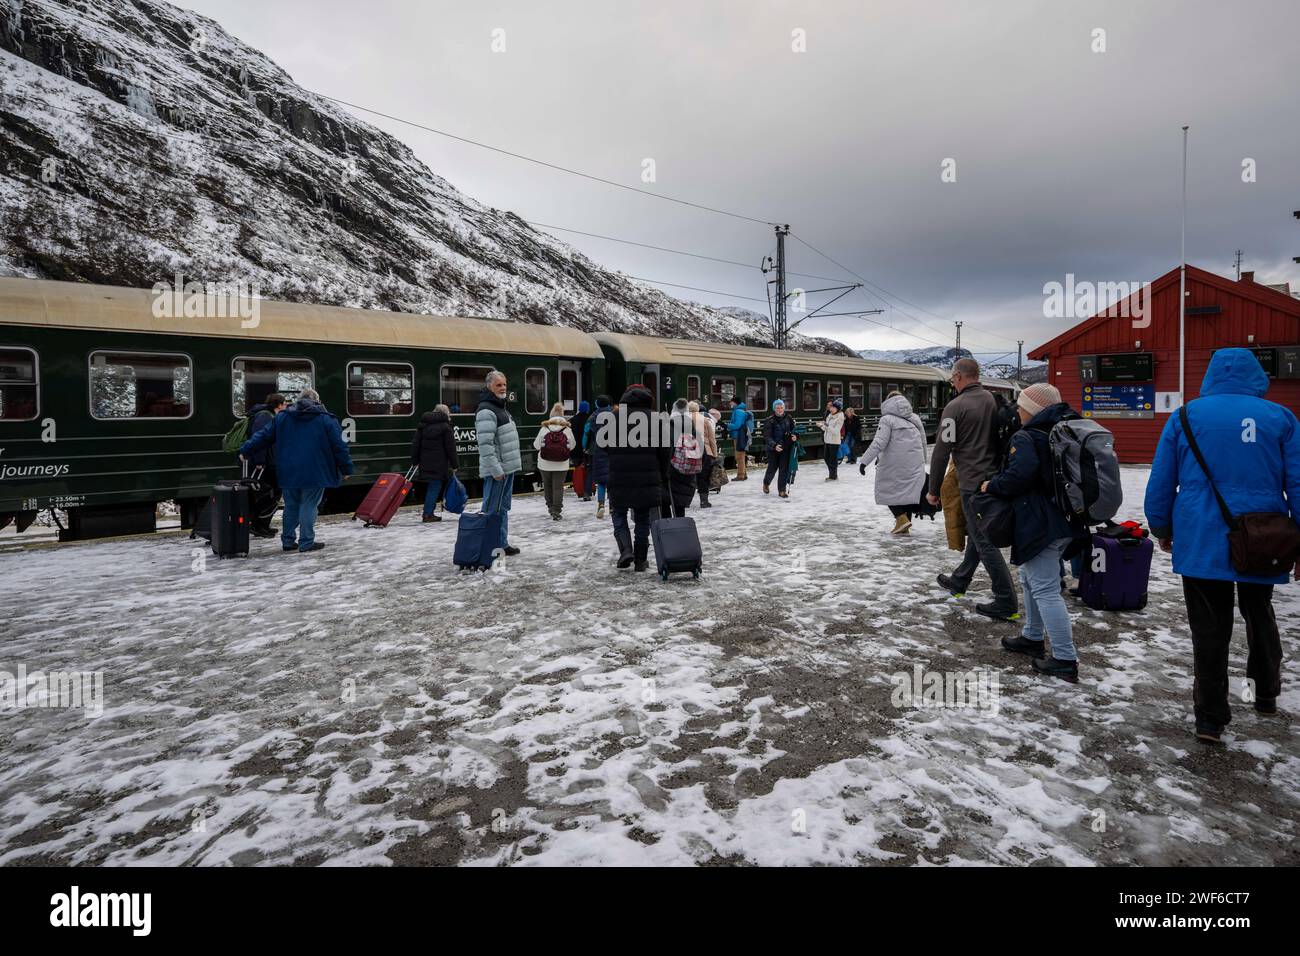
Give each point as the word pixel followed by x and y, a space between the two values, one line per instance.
pixel 1121 582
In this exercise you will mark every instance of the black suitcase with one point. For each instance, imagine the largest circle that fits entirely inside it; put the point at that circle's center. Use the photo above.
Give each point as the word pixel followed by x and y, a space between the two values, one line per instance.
pixel 677 546
pixel 231 508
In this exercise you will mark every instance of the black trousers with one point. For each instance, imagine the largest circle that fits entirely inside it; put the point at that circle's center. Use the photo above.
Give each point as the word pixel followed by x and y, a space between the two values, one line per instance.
pixel 704 477
pixel 831 453
pixel 778 463
pixel 1209 612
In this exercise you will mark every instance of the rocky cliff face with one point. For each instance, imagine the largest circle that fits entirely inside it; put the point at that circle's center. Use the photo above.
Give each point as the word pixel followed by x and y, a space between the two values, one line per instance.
pixel 139 140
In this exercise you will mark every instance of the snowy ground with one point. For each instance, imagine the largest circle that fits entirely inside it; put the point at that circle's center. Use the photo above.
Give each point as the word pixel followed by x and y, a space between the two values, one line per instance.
pixel 370 705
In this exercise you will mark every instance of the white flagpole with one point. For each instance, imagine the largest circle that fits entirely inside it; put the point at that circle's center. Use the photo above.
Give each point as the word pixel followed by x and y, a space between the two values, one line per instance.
pixel 1182 285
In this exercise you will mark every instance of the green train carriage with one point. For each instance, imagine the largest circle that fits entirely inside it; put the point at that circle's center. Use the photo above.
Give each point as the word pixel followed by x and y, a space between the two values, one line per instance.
pixel 712 372
pixel 107 408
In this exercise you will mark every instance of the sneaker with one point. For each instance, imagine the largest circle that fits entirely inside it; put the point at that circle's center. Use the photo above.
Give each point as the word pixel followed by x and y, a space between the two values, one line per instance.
pixel 1050 666
pixel 1267 708
pixel 999 612
pixel 511 551
pixel 705 504
pixel 946 583
pixel 1209 733
pixel 785 494
pixel 600 511
pixel 767 489
pixel 902 525
pixel 428 519
pixel 1023 645
pixel 314 546
pixel 288 547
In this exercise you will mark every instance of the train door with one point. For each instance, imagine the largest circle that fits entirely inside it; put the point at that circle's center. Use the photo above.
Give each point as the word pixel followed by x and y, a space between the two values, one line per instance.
pixel 650 378
pixel 570 386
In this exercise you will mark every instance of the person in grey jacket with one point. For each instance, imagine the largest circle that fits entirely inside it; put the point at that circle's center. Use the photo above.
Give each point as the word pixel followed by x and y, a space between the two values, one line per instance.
pixel 898 449
pixel 968 435
pixel 498 450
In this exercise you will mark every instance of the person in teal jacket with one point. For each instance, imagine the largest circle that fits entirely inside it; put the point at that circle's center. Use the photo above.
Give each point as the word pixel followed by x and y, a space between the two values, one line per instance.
pixel 1252 446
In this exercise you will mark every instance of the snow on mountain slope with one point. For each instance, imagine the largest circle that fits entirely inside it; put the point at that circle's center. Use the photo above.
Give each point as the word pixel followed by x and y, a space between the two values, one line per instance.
pixel 140 140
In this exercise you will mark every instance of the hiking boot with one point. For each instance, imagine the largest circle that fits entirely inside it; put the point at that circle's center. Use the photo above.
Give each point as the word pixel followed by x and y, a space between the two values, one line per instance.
pixel 641 566
pixel 641 552
pixel 947 584
pixel 1209 733
pixel 767 489
pixel 705 504
pixel 263 532
pixel 1065 670
pixel 314 546
pixel 1267 708
pixel 600 510
pixel 288 547
pixel 554 516
pixel 624 539
pixel 430 519
pixel 999 612
pixel 902 524
pixel 1023 645
pixel 785 494
pixel 510 550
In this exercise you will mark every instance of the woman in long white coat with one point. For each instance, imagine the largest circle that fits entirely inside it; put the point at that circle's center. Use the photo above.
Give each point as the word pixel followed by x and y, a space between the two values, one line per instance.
pixel 898 450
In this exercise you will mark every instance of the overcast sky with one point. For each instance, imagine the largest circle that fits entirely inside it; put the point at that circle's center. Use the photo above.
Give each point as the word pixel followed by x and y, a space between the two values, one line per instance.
pixel 1067 160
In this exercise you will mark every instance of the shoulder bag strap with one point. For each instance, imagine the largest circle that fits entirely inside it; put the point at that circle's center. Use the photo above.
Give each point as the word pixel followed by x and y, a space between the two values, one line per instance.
pixel 1228 519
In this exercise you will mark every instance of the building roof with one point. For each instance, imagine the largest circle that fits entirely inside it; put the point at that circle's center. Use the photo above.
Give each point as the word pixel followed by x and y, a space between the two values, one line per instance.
pixel 1254 291
pixel 76 305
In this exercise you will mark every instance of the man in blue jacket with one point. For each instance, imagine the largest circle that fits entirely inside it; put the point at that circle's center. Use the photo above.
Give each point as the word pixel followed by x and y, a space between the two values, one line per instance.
pixel 259 416
pixel 311 456
pixel 1252 446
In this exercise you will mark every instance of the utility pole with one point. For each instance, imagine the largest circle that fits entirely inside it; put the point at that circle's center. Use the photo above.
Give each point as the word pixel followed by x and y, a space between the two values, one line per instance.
pixel 1182 287
pixel 1237 263
pixel 958 324
pixel 780 332
pixel 1020 344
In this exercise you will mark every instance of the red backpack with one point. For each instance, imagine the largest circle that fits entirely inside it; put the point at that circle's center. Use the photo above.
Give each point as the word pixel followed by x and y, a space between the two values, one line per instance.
pixel 555 447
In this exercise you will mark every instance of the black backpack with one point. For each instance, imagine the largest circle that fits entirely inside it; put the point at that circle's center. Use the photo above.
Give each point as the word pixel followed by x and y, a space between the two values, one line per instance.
pixel 1006 422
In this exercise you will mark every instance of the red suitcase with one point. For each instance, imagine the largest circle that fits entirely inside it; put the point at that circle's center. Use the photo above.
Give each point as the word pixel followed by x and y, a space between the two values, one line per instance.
pixel 384 498
pixel 580 481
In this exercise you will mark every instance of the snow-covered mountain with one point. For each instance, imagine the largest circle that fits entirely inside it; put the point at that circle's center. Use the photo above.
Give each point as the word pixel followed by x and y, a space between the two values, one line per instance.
pixel 139 140
pixel 994 364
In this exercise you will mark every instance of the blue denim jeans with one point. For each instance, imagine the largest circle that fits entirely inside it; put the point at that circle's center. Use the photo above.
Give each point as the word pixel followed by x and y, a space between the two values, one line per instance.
pixel 1040 580
pixel 600 494
pixel 431 496
pixel 497 493
pixel 300 507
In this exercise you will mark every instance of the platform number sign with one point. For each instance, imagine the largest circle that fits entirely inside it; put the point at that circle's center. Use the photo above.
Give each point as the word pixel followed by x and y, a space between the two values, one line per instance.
pixel 1288 363
pixel 1088 368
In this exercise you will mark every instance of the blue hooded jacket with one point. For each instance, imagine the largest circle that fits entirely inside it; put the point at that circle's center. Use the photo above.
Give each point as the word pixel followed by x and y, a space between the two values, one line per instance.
pixel 1253 449
pixel 739 421
pixel 309 448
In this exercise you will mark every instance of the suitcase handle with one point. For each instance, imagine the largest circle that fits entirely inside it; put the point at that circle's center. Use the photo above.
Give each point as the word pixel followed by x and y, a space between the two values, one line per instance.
pixel 411 473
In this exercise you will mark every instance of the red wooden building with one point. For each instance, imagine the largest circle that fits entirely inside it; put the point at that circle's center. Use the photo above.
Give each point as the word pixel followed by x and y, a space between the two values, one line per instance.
pixel 1122 369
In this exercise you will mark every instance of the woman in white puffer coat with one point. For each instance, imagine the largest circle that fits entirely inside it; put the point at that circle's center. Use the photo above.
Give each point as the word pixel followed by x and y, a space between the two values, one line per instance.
pixel 898 449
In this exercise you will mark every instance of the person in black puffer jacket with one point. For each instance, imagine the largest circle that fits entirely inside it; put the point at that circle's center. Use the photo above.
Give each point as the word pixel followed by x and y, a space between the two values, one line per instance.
pixel 638 472
pixel 268 494
pixel 434 449
pixel 1043 533
pixel 778 443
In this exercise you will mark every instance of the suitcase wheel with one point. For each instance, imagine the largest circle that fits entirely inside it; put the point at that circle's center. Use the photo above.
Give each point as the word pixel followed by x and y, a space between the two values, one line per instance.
pixel 354 516
pixel 696 574
pixel 663 575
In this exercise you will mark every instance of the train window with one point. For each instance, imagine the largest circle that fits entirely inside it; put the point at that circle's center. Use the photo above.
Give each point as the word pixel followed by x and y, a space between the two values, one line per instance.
pixel 141 385
pixel 891 387
pixel 756 392
pixel 381 388
pixel 252 379
pixel 873 395
pixel 922 401
pixel 459 387
pixel 535 391
pixel 834 390
pixel 692 388
pixel 19 394
pixel 785 391
pixel 812 395
pixel 569 389
pixel 855 394
pixel 721 390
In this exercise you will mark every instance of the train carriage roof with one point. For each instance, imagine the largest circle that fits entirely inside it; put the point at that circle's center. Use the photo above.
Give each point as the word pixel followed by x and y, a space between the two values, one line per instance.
pixel 720 355
pixel 76 305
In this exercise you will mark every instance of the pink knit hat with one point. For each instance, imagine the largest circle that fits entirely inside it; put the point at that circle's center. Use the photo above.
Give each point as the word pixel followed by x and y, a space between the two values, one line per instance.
pixel 1038 396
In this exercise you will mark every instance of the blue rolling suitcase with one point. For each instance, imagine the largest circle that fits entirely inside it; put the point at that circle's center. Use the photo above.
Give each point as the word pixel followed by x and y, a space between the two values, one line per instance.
pixel 478 537
pixel 677 546
pixel 1120 583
